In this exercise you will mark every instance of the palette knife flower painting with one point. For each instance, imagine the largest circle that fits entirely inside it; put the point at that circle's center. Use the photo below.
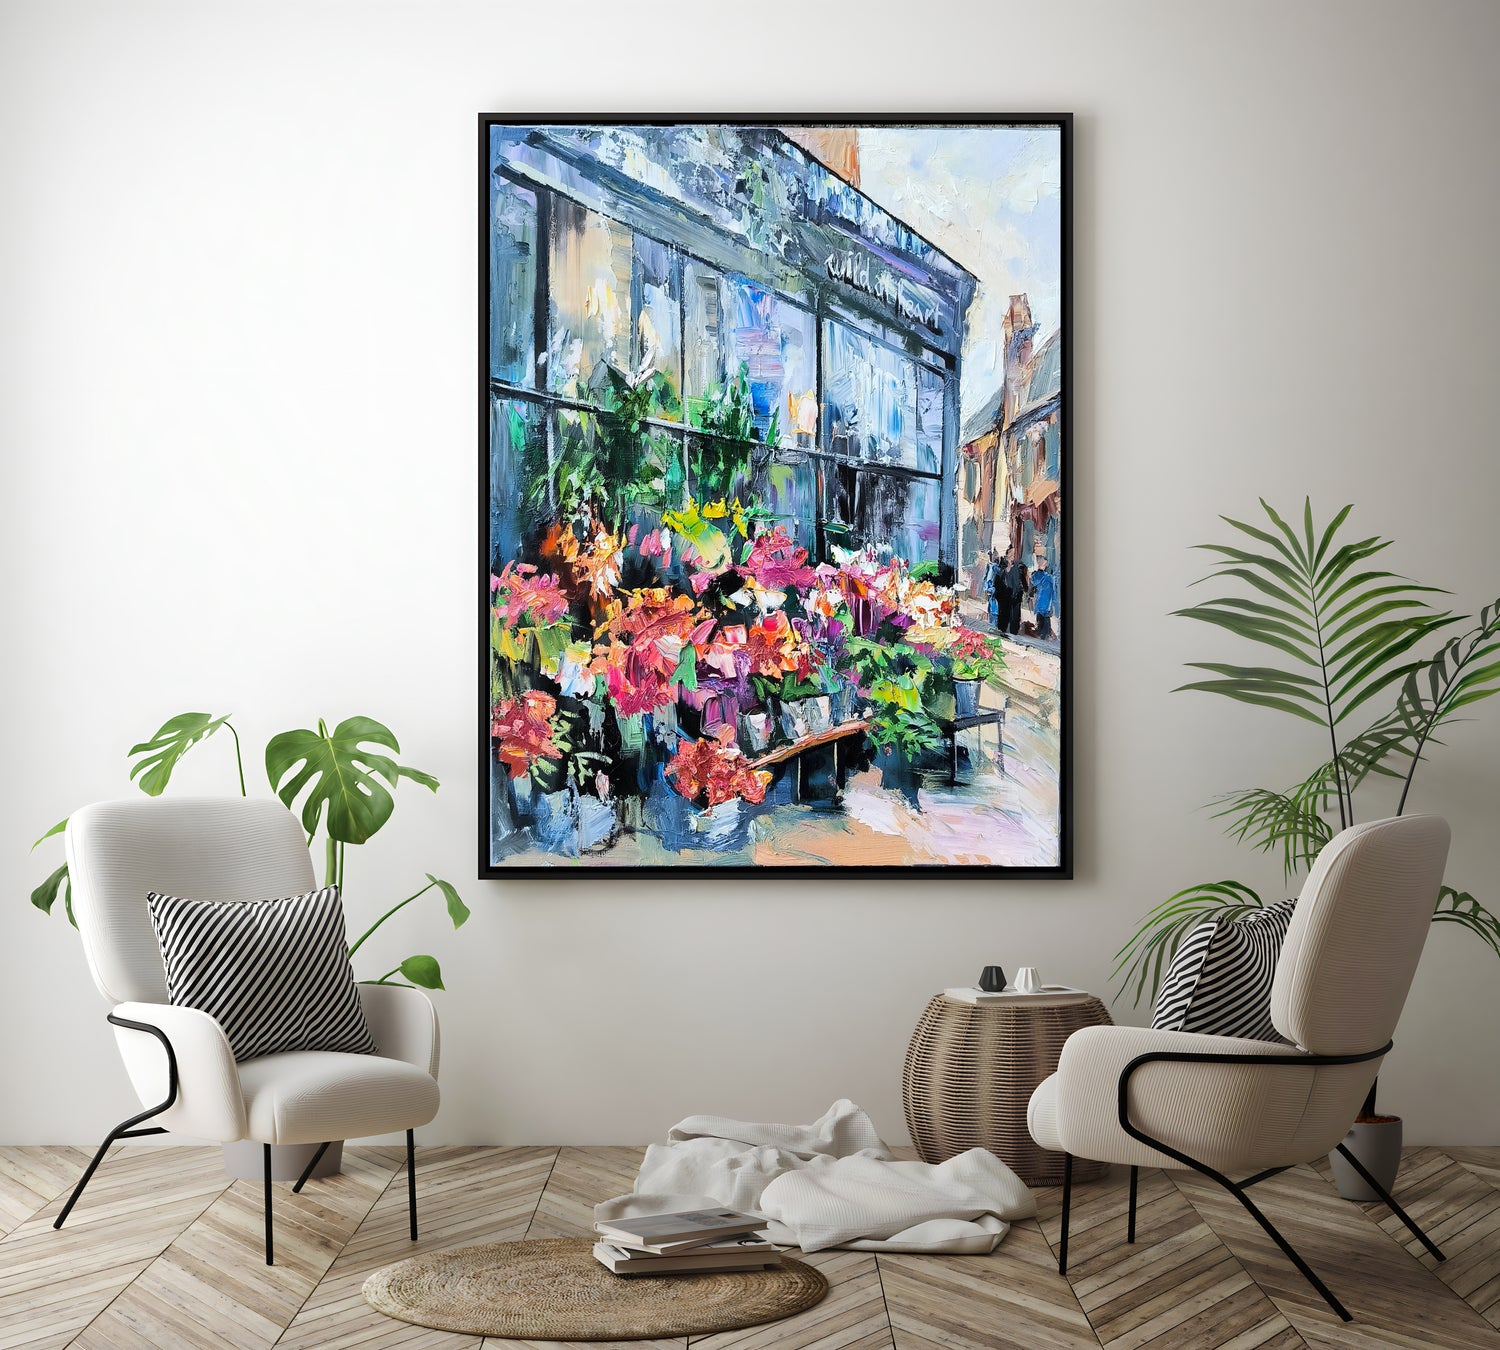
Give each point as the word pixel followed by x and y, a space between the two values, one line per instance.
pixel 774 444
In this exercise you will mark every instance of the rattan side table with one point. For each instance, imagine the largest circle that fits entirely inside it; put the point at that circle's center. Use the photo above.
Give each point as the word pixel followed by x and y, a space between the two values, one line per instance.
pixel 971 1070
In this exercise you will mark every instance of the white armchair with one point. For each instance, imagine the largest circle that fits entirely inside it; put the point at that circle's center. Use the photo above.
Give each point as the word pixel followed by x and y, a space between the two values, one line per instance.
pixel 1147 1098
pixel 178 1058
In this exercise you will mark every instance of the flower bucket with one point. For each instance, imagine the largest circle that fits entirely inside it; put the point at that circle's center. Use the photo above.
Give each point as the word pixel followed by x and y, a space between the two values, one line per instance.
pixel 755 731
pixel 632 732
pixel 806 717
pixel 966 697
pixel 723 827
pixel 565 822
pixel 679 824
pixel 841 703
pixel 818 714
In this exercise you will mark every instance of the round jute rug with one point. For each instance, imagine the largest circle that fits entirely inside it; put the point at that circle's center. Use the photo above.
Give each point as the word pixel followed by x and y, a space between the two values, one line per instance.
pixel 554 1290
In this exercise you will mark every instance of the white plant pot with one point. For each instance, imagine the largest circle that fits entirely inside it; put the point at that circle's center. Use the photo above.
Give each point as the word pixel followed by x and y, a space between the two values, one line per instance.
pixel 245 1161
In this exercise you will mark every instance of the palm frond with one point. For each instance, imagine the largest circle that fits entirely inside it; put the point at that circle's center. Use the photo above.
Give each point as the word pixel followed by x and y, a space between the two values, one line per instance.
pixel 1286 822
pixel 1464 671
pixel 1162 930
pixel 1460 907
pixel 1348 628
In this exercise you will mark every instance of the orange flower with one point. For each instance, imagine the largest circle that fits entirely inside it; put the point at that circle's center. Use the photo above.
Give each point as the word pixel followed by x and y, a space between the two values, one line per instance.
pixel 773 646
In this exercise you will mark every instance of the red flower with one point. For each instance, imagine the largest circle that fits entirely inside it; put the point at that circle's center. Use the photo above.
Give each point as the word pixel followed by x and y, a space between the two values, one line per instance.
pixel 521 592
pixel 712 770
pixel 523 729
pixel 776 562
pixel 774 647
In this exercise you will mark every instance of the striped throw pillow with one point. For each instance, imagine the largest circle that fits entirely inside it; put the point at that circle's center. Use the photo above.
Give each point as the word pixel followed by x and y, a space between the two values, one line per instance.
pixel 273 973
pixel 1219 983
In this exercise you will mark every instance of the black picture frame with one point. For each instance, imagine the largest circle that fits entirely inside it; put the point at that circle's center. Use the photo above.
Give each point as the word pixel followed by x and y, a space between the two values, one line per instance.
pixel 1067 634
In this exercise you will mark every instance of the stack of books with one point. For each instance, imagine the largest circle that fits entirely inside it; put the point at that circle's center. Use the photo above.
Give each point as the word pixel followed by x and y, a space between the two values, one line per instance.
pixel 697 1241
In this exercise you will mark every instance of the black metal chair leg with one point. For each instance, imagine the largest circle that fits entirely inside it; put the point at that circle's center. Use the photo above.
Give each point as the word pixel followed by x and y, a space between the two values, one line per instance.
pixel 126 1129
pixel 411 1181
pixel 1135 1176
pixel 1391 1204
pixel 88 1174
pixel 1062 1246
pixel 1290 1252
pixel 266 1154
pixel 308 1170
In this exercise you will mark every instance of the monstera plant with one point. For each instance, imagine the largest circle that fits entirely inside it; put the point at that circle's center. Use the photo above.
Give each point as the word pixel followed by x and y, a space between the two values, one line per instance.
pixel 1342 636
pixel 344 782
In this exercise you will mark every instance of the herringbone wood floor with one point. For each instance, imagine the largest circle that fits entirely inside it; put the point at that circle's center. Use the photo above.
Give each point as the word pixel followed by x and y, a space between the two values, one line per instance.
pixel 164 1252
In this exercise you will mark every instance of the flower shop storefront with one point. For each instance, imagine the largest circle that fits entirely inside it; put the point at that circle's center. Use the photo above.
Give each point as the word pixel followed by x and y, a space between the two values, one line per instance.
pixel 721 393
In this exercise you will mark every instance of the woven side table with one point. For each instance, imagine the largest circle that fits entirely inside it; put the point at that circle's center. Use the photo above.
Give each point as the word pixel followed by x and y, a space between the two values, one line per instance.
pixel 971 1070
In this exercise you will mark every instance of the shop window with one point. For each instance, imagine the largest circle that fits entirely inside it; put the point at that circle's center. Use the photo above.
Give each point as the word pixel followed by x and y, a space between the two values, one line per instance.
pixel 520 479
pixel 591 267
pixel 929 419
pixel 606 463
pixel 869 399
pixel 788 493
pixel 513 284
pixel 657 327
pixel 751 360
pixel 917 537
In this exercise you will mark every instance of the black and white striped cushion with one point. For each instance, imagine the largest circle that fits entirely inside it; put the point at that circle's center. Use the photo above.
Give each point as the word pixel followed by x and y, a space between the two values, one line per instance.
pixel 1219 983
pixel 274 973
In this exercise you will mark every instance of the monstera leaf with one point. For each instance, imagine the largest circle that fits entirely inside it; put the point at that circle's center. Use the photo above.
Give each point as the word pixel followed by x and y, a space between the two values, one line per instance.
pixel 172 741
pixel 338 771
pixel 45 895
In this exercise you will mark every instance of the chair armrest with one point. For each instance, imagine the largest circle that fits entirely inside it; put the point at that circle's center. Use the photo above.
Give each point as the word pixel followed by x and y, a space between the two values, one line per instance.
pixel 209 1103
pixel 1225 1100
pixel 404 1024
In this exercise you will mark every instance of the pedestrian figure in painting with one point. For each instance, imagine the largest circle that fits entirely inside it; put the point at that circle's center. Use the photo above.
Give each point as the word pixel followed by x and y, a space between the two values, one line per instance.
pixel 991 586
pixel 1044 590
pixel 1013 581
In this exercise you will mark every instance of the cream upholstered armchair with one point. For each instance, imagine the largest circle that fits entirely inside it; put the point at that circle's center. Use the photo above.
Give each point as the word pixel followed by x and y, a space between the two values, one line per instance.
pixel 178 1058
pixel 1221 1105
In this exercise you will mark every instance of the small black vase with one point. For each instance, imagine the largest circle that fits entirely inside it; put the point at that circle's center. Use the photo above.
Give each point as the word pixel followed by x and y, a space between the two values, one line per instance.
pixel 992 980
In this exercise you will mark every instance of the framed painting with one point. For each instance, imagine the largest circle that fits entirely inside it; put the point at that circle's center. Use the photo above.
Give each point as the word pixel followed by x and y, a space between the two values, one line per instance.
pixel 774 448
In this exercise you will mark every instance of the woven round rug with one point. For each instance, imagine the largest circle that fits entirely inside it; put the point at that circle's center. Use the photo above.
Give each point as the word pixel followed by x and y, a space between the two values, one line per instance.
pixel 554 1290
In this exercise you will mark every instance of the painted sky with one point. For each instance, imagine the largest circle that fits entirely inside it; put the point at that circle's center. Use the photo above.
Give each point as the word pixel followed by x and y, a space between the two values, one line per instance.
pixel 992 198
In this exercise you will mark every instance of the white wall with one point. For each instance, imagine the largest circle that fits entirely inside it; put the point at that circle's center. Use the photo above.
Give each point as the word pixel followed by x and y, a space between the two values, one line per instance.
pixel 236 392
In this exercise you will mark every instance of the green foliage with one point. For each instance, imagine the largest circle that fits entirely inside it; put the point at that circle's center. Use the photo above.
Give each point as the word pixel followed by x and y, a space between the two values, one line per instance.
pixel 612 460
pixel 338 772
pixel 1146 954
pixel 162 753
pixel 1272 821
pixel 457 910
pixel 575 762
pixel 424 971
pixel 419 970
pixel 908 730
pixel 1351 631
pixel 45 895
pixel 1347 627
pixel 721 458
pixel 787 687
pixel 335 772
pixel 1460 907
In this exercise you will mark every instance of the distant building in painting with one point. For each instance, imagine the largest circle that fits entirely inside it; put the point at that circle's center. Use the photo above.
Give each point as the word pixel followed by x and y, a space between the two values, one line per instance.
pixel 703 258
pixel 1012 452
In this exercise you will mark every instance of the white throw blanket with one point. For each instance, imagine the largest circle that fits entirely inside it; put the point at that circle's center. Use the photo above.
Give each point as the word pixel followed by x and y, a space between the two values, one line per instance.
pixel 829 1184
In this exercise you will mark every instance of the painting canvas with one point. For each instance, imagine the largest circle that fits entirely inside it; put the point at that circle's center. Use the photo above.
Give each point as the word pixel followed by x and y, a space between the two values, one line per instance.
pixel 774 455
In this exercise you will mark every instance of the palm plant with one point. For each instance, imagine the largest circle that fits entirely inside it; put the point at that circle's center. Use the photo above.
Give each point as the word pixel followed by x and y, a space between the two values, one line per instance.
pixel 336 773
pixel 1343 632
